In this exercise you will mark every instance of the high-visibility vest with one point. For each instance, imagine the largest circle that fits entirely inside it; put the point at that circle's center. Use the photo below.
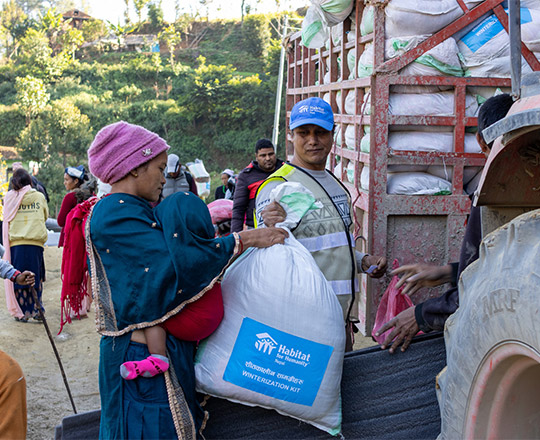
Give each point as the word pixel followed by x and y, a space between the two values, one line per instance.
pixel 325 235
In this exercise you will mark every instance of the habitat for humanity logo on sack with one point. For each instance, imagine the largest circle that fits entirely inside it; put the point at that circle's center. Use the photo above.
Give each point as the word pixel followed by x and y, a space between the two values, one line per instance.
pixel 276 363
pixel 266 344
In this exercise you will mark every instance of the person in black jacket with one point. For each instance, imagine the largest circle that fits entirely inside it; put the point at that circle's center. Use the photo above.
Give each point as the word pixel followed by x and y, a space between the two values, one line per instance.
pixel 432 314
pixel 226 191
pixel 248 182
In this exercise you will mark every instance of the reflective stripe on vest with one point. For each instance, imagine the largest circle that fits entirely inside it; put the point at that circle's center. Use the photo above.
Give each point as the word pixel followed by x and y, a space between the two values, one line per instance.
pixel 314 244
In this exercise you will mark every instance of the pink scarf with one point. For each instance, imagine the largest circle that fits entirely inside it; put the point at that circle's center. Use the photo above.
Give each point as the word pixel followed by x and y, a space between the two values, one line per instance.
pixel 12 202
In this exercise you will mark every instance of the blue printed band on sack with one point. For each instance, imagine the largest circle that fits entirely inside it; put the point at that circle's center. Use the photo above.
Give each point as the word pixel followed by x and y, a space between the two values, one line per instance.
pixel 488 29
pixel 277 364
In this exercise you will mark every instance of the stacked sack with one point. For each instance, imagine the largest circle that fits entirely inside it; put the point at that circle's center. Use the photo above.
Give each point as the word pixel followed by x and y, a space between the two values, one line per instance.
pixel 485 48
pixel 409 23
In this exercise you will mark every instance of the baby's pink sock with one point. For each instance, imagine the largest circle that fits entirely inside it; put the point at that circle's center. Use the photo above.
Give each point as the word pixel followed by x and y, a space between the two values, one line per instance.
pixel 149 367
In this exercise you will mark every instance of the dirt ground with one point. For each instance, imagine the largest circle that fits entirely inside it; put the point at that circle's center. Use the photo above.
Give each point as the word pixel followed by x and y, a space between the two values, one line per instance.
pixel 78 346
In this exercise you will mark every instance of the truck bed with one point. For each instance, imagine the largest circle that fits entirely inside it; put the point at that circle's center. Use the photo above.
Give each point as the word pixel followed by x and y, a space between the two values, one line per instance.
pixel 384 397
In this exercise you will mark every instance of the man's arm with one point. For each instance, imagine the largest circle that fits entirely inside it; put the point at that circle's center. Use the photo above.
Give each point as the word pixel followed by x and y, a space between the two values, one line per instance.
pixel 241 201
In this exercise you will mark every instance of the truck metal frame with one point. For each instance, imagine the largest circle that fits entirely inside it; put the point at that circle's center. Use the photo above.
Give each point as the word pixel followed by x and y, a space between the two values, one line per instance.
pixel 409 228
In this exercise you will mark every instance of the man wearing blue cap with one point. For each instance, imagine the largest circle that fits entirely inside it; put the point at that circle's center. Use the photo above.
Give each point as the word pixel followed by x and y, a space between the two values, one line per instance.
pixel 326 232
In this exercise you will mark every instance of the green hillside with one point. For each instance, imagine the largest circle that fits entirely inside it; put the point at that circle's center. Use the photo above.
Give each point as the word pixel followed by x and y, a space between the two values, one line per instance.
pixel 209 91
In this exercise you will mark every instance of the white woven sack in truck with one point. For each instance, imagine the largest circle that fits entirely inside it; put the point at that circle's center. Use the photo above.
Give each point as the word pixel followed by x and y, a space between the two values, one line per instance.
pixel 433 104
pixel 320 17
pixel 315 32
pixel 416 184
pixel 421 17
pixel 429 141
pixel 486 48
pixel 447 173
pixel 282 339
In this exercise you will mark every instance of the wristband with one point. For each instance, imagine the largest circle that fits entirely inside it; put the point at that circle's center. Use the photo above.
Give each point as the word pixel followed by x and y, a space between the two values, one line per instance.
pixel 15 275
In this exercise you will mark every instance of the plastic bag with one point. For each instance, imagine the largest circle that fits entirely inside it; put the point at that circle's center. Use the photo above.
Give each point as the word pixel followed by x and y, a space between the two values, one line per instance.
pixel 392 304
pixel 282 340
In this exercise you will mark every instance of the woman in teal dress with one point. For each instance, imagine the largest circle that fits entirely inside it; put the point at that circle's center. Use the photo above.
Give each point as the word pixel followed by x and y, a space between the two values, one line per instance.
pixel 146 265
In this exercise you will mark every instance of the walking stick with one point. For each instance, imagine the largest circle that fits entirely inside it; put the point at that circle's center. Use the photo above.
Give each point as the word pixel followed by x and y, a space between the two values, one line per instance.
pixel 42 315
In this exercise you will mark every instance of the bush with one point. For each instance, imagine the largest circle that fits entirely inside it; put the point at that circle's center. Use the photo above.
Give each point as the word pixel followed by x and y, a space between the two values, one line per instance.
pixel 11 124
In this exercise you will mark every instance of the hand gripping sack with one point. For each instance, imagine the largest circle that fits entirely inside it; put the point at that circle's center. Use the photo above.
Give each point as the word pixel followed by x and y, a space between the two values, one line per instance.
pixel 281 342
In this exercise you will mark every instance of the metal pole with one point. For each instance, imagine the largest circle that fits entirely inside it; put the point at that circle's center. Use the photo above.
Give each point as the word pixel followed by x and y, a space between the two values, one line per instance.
pixel 42 315
pixel 275 132
pixel 514 33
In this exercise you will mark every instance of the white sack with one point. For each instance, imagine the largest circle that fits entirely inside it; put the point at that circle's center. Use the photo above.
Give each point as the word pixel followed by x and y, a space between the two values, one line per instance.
pixel 350 172
pixel 436 104
pixel 364 178
pixel 350 137
pixel 421 17
pixel 315 33
pixel 337 169
pixel 365 143
pixel 416 184
pixel 366 25
pixel 429 141
pixel 447 172
pixel 337 135
pixel 486 48
pixel 281 342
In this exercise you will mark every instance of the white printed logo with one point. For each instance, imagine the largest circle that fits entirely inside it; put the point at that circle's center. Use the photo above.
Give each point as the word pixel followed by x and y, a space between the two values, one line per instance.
pixel 265 343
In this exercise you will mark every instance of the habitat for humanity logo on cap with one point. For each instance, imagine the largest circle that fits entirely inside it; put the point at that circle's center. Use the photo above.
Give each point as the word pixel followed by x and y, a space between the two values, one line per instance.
pixel 312 111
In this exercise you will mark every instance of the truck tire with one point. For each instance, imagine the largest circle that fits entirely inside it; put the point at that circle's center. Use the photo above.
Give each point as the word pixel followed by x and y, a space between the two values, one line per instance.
pixel 491 385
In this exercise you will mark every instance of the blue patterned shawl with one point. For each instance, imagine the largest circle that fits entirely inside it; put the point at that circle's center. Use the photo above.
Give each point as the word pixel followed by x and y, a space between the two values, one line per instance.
pixel 146 264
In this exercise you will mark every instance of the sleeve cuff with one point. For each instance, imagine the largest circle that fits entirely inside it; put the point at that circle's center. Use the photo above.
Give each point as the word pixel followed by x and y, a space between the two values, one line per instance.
pixel 359 257
pixel 420 319
pixel 455 268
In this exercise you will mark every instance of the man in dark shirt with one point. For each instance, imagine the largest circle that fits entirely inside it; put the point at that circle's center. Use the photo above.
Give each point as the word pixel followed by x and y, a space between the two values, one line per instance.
pixel 432 314
pixel 249 180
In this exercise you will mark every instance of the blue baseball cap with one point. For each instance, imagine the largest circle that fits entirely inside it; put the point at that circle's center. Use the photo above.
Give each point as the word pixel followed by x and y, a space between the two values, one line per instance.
pixel 312 111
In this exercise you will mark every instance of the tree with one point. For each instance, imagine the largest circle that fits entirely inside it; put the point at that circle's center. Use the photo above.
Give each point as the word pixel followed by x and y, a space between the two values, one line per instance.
pixel 13 23
pixel 33 8
pixel 127 20
pixel 139 6
pixel 71 40
pixel 36 56
pixel 93 30
pixel 155 15
pixel 120 31
pixel 57 138
pixel 32 97
pixel 62 36
pixel 172 38
pixel 246 6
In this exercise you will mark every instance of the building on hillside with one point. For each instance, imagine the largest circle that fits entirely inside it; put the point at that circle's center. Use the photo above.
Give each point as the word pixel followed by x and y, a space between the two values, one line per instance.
pixel 77 17
pixel 141 42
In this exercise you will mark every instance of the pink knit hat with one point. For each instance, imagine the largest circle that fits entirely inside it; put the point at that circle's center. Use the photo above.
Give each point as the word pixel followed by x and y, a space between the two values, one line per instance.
pixel 121 147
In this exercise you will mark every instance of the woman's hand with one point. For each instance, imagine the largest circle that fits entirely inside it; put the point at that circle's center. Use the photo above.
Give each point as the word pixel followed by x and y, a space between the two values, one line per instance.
pixel 25 278
pixel 263 237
